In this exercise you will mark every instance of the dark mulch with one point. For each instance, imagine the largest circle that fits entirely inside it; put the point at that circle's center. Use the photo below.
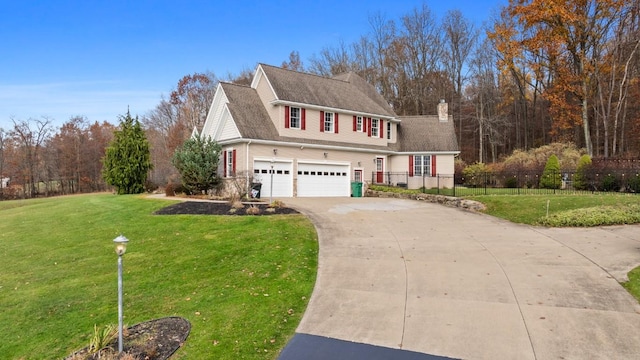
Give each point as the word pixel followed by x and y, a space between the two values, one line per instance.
pixel 152 340
pixel 219 208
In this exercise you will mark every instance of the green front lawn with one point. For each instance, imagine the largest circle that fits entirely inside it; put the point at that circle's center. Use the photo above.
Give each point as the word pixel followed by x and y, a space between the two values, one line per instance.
pixel 242 282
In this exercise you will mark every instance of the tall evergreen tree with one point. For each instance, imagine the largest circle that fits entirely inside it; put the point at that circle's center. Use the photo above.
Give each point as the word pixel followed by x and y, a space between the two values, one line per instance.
pixel 197 162
pixel 127 161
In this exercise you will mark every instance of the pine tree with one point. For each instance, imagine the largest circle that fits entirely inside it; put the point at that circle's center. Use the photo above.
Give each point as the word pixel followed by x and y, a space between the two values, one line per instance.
pixel 197 162
pixel 127 161
pixel 551 177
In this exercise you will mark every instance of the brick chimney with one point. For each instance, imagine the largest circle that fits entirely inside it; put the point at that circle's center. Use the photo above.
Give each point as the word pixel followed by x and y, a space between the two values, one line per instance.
pixel 443 111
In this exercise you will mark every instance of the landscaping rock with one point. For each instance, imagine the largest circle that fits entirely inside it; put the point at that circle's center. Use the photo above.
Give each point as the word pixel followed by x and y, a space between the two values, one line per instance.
pixel 438 199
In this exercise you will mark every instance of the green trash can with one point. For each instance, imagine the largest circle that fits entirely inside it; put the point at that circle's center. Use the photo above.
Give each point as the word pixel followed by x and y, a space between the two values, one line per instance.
pixel 356 189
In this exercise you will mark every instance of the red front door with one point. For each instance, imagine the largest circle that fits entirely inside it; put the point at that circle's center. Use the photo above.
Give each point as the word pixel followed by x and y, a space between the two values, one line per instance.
pixel 379 170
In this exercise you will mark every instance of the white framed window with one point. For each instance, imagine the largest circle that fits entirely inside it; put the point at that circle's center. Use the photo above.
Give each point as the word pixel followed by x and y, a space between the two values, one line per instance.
pixel 421 165
pixel 389 130
pixel 329 124
pixel 359 124
pixel 294 117
pixel 375 127
pixel 230 163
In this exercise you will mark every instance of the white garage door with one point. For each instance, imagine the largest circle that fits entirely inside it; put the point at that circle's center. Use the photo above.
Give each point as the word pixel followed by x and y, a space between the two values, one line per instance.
pixel 282 178
pixel 323 180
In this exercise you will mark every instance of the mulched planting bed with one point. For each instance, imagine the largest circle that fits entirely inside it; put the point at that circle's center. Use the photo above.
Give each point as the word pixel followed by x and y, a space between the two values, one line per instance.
pixel 219 208
pixel 152 340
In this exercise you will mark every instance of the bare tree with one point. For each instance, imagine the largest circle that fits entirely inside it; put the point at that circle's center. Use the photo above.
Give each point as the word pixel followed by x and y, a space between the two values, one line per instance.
pixel 31 135
pixel 485 94
pixel 192 98
pixel 331 61
pixel 460 37
pixel 294 62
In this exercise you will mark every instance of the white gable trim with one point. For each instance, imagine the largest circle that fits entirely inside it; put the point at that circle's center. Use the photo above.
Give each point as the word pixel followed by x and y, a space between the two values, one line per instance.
pixel 217 104
pixel 220 125
pixel 258 77
pixel 227 128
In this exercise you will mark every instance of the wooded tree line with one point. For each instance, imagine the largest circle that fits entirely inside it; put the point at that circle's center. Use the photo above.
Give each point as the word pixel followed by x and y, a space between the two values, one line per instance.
pixel 538 72
pixel 44 162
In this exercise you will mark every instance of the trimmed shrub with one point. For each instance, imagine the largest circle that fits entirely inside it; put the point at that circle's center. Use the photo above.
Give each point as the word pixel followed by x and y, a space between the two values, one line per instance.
pixel 610 183
pixel 475 174
pixel 511 182
pixel 633 184
pixel 551 176
pixel 581 179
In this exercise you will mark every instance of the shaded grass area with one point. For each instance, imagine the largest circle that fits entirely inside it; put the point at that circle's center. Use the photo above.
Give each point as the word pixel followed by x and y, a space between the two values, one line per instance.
pixel 564 210
pixel 242 282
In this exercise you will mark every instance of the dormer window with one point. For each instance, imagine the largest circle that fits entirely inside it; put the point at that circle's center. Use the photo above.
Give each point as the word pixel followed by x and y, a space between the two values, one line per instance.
pixel 328 122
pixel 375 127
pixel 294 117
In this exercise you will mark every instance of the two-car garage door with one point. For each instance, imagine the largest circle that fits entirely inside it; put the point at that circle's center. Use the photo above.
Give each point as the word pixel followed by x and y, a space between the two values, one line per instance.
pixel 314 179
pixel 323 180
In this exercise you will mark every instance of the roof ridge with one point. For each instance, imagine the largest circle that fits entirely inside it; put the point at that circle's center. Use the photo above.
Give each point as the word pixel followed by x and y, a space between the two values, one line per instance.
pixel 303 73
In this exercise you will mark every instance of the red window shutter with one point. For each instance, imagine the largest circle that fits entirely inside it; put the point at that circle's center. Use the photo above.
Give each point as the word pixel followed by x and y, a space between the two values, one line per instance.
pixel 286 117
pixel 369 127
pixel 303 121
pixel 433 165
pixel 233 165
pixel 355 125
pixel 335 122
pixel 224 163
pixel 410 165
pixel 321 121
pixel 381 127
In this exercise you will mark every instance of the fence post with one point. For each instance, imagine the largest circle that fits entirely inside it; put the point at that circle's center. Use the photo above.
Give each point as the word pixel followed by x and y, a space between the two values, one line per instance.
pixel 454 185
pixel 485 182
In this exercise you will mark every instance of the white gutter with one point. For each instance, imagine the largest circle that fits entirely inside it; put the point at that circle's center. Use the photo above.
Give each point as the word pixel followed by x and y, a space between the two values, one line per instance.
pixel 306 145
pixel 332 147
pixel 247 167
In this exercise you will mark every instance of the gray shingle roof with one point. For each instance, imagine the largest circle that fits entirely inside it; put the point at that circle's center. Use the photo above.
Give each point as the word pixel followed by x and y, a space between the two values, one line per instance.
pixel 348 92
pixel 415 133
pixel 247 110
pixel 426 133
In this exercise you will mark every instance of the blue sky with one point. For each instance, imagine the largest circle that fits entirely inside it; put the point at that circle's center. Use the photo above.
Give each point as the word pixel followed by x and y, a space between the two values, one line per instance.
pixel 96 58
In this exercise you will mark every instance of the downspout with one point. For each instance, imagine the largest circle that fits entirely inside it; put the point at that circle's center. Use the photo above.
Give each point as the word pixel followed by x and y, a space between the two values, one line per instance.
pixel 248 171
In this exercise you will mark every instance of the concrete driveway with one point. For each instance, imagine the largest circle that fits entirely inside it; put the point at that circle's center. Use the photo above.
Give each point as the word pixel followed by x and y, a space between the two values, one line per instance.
pixel 426 278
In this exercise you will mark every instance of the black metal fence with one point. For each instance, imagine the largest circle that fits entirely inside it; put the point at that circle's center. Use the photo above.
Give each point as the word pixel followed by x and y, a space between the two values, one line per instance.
pixel 438 184
pixel 516 183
